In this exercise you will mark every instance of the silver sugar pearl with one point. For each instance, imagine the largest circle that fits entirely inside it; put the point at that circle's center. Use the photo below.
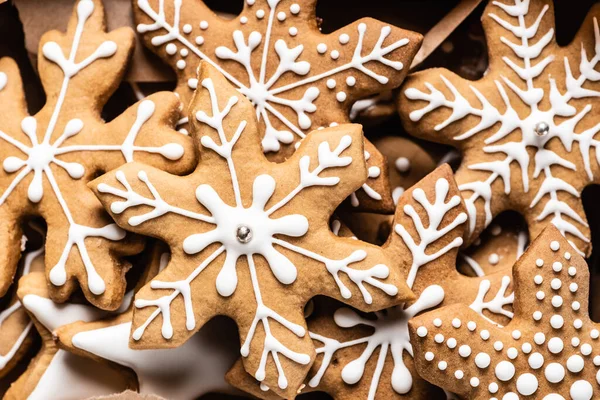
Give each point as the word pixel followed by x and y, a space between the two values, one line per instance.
pixel 243 234
pixel 541 129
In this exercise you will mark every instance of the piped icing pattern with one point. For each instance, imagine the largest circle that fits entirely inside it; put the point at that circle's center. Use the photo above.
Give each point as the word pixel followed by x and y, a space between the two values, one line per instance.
pixel 549 349
pixel 57 151
pixel 528 127
pixel 297 78
pixel 244 222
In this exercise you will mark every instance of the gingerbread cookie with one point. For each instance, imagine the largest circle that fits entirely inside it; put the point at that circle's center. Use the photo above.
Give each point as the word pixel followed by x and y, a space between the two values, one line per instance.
pixel 56 373
pixel 527 129
pixel 369 356
pixel 297 78
pixel 246 233
pixel 49 158
pixel 15 325
pixel 550 349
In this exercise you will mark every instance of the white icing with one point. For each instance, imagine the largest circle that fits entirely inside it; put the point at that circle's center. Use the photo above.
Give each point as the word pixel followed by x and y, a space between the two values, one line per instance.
pixel 537 126
pixel 245 232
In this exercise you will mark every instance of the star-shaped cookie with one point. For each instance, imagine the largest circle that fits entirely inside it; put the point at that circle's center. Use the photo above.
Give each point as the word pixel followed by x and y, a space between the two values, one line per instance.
pixel 297 78
pixel 48 159
pixel 528 129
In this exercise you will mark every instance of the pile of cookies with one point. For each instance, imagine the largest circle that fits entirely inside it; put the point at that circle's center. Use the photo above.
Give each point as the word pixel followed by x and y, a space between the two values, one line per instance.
pixel 306 214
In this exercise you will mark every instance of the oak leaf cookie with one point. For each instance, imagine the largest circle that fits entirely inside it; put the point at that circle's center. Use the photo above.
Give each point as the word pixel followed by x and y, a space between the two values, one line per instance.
pixel 528 129
pixel 369 356
pixel 186 372
pixel 249 238
pixel 297 78
pixel 56 373
pixel 550 349
pixel 49 158
pixel 16 328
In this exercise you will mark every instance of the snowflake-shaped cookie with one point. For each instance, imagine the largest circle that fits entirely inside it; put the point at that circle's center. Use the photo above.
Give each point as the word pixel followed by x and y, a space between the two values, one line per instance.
pixel 47 159
pixel 528 128
pixel 297 78
pixel 550 349
pixel 246 233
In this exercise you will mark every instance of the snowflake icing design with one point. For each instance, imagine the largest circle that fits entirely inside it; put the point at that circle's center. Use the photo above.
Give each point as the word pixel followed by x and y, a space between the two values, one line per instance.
pixel 41 157
pixel 278 67
pixel 557 116
pixel 237 232
pixel 390 327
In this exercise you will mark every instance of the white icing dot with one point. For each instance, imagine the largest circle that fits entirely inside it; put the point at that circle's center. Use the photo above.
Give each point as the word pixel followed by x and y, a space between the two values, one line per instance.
pixel 321 48
pixel 439 338
pixel 294 8
pixel 458 374
pixel 581 390
pixel 512 353
pixel 537 315
pixel 577 324
pixel 474 382
pixel 527 384
pixel 494 259
pixel 331 83
pixel 341 96
pixel 402 164
pixel 429 356
pixel 555 345
pixel 422 331
pixel 244 20
pixel 344 38
pixel 482 360
pixel 557 301
pixel 597 361
pixel 516 334
pixel 594 334
pixel 451 343
pixel 442 365
pixel 575 363
pixel 540 295
pixel 573 287
pixel 183 52
pixel 526 348
pixel 554 245
pixel 586 349
pixel 350 81
pixel 539 338
pixel 504 371
pixel 181 64
pixel 538 279
pixel 204 25
pixel 557 266
pixel 555 283
pixel 493 387
pixel 199 40
pixel 334 54
pixel 539 262
pixel 437 322
pixel 556 321
pixel 495 230
pixel 554 372
pixel 187 28
pixel 193 83
pixel 281 16
pixel 575 306
pixel 171 49
pixel 471 325
pixel 498 346
pixel 456 323
pixel 293 31
pixel 464 351
pixel 485 334
pixel 572 271
pixel 250 2
pixel 536 360
pixel 567 255
pixel 260 14
pixel 575 342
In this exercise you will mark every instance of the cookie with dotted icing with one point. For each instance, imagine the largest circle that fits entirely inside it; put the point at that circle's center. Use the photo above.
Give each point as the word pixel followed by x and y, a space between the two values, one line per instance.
pixel 47 159
pixel 16 328
pixel 369 356
pixel 500 245
pixel 549 350
pixel 246 233
pixel 297 78
pixel 53 372
pixel 528 128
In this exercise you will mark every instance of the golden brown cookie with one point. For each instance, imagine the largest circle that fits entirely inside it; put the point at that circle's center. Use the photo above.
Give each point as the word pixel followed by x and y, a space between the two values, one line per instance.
pixel 528 128
pixel 49 158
